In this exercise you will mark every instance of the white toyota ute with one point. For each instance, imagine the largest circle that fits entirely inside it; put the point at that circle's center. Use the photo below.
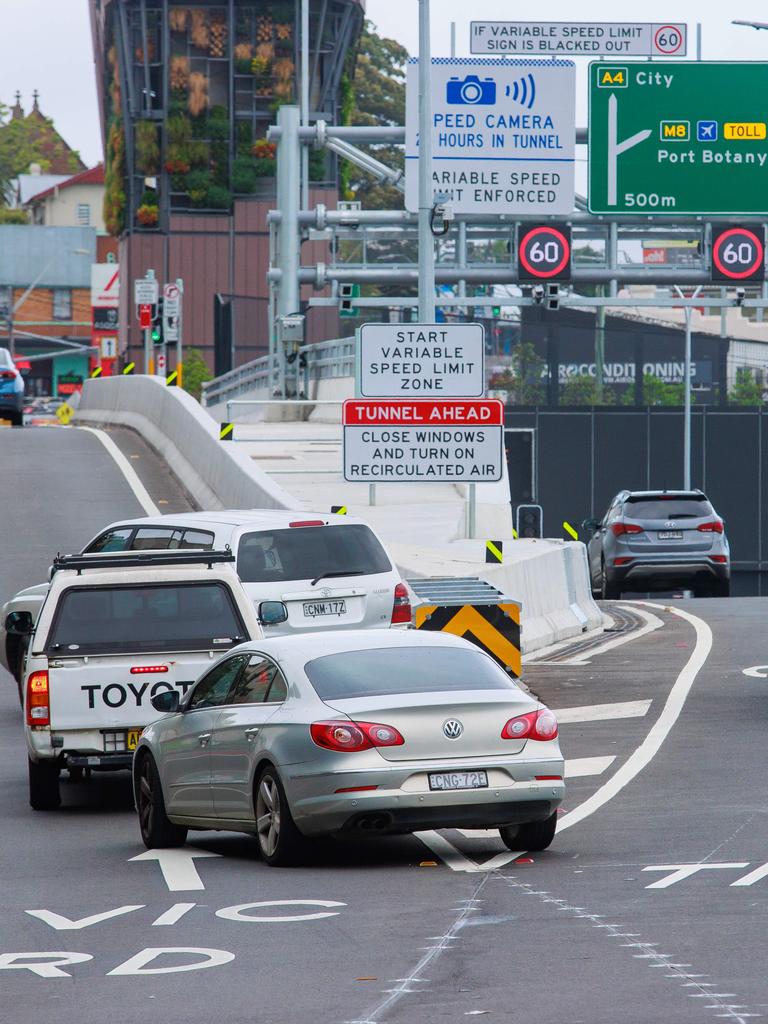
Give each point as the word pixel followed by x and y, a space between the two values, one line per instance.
pixel 115 631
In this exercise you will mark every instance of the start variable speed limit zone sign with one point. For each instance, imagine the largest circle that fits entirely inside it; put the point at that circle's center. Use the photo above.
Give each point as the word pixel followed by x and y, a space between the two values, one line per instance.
pixel 423 441
pixel 738 254
pixel 544 253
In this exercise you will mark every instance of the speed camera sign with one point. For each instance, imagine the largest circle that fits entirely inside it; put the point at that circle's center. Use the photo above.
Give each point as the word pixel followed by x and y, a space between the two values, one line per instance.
pixel 738 254
pixel 544 253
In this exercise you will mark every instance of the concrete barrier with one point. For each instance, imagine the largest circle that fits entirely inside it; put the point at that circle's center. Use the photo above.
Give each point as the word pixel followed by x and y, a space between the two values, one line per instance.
pixel 216 474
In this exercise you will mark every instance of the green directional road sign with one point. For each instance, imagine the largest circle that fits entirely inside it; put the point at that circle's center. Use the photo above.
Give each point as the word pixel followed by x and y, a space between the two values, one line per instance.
pixel 677 138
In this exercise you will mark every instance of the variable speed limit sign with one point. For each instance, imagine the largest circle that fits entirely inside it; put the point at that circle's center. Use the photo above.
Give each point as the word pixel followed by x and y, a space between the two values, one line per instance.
pixel 738 254
pixel 544 253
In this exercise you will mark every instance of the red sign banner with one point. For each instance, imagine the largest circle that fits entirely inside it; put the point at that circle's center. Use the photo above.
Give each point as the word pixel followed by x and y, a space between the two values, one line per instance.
pixel 376 412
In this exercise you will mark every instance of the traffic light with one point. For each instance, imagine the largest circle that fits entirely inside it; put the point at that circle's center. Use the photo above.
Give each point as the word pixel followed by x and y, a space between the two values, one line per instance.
pixel 496 311
pixel 530 521
pixel 156 332
pixel 347 294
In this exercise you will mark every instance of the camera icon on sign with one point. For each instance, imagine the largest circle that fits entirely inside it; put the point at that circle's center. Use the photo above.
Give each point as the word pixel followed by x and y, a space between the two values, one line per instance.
pixel 471 90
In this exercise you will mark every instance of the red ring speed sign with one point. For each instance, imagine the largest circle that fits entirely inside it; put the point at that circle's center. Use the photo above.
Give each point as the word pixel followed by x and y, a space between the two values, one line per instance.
pixel 667 51
pixel 738 254
pixel 544 252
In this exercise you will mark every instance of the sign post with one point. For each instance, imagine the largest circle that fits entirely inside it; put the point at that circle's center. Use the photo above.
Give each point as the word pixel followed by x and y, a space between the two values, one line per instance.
pixel 578 38
pixel 172 294
pixel 423 441
pixel 503 136
pixel 145 296
pixel 678 138
pixel 421 361
pixel 105 302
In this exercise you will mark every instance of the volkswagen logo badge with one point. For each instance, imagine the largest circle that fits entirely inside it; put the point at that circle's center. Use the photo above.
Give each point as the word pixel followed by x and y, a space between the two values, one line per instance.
pixel 453 728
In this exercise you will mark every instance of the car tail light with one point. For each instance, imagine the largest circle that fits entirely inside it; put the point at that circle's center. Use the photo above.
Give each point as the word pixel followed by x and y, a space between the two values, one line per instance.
pixel 720 559
pixel 38 708
pixel 8 374
pixel 536 725
pixel 352 736
pixel 308 522
pixel 401 609
pixel 621 561
pixel 549 778
pixel 140 670
pixel 618 529
pixel 714 526
pixel 355 789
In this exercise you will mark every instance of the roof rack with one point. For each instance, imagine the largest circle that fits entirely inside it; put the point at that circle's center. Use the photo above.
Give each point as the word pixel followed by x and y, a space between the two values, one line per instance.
pixel 141 559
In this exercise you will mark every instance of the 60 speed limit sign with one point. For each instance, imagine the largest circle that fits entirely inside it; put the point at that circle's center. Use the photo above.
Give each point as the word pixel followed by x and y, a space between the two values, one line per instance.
pixel 544 253
pixel 738 254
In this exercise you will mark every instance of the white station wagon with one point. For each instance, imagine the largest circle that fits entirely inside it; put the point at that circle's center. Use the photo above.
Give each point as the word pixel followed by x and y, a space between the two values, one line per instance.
pixel 330 571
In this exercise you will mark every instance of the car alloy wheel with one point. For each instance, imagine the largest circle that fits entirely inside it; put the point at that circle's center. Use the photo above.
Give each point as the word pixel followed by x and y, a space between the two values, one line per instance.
pixel 157 830
pixel 268 815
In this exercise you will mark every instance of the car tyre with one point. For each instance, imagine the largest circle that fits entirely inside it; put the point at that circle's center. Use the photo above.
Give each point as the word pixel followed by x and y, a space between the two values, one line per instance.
pixel 609 591
pixel 533 835
pixel 157 830
pixel 44 792
pixel 280 842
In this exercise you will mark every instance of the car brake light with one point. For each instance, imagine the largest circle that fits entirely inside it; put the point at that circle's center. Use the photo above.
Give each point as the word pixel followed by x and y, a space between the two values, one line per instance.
pixel 620 528
pixel 8 374
pixel 622 561
pixel 401 609
pixel 714 526
pixel 38 708
pixel 352 736
pixel 536 725
pixel 721 559
pixel 308 522
pixel 139 670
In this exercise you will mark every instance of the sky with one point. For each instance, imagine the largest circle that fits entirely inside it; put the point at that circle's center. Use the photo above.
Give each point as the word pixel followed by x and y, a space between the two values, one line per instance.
pixel 46 45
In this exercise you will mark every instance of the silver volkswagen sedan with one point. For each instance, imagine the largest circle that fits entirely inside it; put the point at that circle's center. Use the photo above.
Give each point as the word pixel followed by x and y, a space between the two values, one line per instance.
pixel 361 733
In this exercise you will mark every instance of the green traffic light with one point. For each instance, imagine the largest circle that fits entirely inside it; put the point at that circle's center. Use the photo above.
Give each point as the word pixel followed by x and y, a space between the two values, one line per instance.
pixel 155 334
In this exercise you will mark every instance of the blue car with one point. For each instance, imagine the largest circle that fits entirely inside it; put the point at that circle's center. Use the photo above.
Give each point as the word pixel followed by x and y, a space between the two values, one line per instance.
pixel 11 390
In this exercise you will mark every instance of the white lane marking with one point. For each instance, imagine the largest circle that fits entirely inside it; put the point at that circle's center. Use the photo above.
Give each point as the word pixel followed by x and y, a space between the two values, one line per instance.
pixel 240 912
pixel 603 712
pixel 579 767
pixel 756 672
pixel 678 872
pixel 177 866
pixel 67 924
pixel 753 876
pixel 140 492
pixel 652 623
pixel 174 914
pixel 659 731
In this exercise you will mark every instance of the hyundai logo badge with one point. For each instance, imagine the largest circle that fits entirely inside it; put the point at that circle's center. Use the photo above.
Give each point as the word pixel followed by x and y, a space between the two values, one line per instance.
pixel 453 728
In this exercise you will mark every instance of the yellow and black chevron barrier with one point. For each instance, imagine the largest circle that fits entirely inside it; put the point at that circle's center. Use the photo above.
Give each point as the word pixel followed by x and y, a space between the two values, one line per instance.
pixel 494 552
pixel 227 432
pixel 494 628
pixel 129 368
pixel 172 380
pixel 96 372
pixel 339 510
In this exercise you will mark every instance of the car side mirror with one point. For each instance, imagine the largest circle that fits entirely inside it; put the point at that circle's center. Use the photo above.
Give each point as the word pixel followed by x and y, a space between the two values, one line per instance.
pixel 19 624
pixel 166 702
pixel 590 525
pixel 50 573
pixel 272 613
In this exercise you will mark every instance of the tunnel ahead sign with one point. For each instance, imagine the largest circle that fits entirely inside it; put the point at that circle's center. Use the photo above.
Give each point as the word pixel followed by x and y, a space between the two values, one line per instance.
pixel 423 441
pixel 422 361
pixel 678 138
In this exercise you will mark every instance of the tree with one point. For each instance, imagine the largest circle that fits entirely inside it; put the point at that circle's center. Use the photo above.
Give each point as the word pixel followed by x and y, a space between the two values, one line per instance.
pixel 581 389
pixel 195 373
pixel 525 381
pixel 27 140
pixel 745 390
pixel 655 392
pixel 377 97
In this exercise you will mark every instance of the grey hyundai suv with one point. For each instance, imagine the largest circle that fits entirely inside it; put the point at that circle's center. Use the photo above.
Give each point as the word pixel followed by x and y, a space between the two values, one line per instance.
pixel 659 540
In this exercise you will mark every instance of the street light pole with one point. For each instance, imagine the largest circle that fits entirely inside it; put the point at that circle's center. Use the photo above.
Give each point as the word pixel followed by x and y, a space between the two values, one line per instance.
pixel 426 239
pixel 688 310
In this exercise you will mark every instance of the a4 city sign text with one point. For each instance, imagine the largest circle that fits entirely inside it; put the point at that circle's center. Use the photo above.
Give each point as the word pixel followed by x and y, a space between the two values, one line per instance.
pixel 678 138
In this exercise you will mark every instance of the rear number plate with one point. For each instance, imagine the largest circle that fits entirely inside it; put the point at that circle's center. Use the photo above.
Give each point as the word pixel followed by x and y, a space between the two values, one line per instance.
pixel 670 534
pixel 313 609
pixel 458 780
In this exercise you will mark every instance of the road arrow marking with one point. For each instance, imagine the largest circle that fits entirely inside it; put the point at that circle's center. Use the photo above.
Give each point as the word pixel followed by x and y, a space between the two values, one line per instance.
pixel 179 871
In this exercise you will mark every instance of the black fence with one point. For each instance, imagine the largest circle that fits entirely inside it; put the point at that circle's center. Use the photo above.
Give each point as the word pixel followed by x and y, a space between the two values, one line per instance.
pixel 572 462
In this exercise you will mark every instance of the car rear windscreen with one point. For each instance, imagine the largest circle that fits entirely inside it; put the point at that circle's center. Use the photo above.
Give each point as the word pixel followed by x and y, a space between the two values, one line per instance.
pixel 160 617
pixel 393 670
pixel 306 552
pixel 667 508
